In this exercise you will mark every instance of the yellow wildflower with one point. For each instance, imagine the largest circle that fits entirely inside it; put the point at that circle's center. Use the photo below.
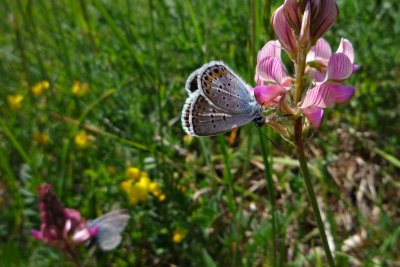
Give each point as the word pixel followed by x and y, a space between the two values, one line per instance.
pixel 133 195
pixel 162 197
pixel 79 88
pixel 15 101
pixel 41 138
pixel 133 173
pixel 81 139
pixel 143 188
pixel 39 87
pixel 178 235
pixel 126 186
pixel 155 189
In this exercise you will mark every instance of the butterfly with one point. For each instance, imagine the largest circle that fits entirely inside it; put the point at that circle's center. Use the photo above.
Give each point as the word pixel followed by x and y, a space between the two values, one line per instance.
pixel 110 227
pixel 219 101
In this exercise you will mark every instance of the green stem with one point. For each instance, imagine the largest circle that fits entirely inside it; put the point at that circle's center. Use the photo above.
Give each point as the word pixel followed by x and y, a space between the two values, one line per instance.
pixel 299 143
pixel 271 192
pixel 310 189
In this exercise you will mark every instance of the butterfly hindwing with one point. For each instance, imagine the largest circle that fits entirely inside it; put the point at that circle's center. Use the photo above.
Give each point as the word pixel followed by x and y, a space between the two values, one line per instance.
pixel 201 118
pixel 110 227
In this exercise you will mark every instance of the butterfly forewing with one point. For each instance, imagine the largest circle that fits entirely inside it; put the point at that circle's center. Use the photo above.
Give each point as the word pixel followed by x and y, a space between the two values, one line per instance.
pixel 192 82
pixel 224 88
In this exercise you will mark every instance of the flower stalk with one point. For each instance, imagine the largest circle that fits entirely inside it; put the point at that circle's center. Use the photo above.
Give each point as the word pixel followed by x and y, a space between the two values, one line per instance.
pixel 299 143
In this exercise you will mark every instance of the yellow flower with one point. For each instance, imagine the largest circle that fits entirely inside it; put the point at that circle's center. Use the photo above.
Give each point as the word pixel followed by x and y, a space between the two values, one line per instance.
pixel 41 138
pixel 162 197
pixel 15 101
pixel 133 173
pixel 155 189
pixel 79 88
pixel 178 235
pixel 142 188
pixel 39 87
pixel 126 186
pixel 81 139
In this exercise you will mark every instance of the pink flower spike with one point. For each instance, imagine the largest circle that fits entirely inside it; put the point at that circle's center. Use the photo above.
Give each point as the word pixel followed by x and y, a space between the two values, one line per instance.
pixel 271 69
pixel 346 48
pixel 284 32
pixel 314 115
pixel 320 52
pixel 341 93
pixel 265 94
pixel 339 67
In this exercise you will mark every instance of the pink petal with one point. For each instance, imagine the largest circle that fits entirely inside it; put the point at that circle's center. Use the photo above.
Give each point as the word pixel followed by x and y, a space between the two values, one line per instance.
pixel 319 77
pixel 72 214
pixel 304 36
pixel 321 52
pixel 36 234
pixel 271 69
pixel 265 94
pixel 94 230
pixel 270 49
pixel 292 12
pixel 339 67
pixel 284 32
pixel 324 15
pixel 81 235
pixel 355 67
pixel 346 48
pixel 314 115
pixel 321 96
pixel 341 93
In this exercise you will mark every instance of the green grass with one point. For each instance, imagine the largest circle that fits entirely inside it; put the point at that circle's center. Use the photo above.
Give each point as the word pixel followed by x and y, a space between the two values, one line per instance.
pixel 136 56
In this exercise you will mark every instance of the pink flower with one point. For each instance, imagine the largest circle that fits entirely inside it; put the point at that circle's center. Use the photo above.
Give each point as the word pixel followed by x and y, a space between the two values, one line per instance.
pixel 271 76
pixel 284 32
pixel 60 226
pixel 324 66
pixel 325 95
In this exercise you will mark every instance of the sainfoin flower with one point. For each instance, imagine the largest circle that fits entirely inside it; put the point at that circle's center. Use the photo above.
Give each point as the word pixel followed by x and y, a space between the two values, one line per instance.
pixel 328 71
pixel 61 227
pixel 299 26
pixel 271 77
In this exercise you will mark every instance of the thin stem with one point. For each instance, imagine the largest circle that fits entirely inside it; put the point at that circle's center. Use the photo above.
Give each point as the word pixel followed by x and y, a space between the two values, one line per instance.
pixel 271 193
pixel 298 139
pixel 310 189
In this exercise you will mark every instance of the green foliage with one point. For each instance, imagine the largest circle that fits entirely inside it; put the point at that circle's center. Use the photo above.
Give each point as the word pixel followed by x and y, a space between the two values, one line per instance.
pixel 135 57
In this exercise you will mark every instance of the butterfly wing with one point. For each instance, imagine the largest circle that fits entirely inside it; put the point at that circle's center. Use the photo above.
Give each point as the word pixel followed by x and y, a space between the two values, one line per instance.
pixel 192 82
pixel 223 88
pixel 201 118
pixel 110 226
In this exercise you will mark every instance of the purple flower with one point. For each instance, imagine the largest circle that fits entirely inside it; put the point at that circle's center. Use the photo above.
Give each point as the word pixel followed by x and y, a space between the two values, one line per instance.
pixel 284 32
pixel 60 226
pixel 328 70
pixel 323 96
pixel 271 77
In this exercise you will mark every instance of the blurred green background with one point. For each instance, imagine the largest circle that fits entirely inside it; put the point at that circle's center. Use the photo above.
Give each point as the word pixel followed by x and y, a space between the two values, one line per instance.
pixel 116 72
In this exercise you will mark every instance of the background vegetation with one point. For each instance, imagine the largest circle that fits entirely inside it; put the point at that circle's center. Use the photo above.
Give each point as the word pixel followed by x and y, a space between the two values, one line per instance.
pixel 134 57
